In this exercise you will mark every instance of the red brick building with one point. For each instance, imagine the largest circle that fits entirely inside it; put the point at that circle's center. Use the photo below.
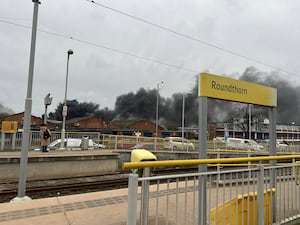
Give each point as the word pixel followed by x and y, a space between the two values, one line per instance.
pixel 91 122
pixel 19 118
pixel 130 126
pixel 120 127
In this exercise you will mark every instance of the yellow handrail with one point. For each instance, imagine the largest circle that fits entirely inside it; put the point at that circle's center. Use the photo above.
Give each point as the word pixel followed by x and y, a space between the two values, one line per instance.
pixel 189 162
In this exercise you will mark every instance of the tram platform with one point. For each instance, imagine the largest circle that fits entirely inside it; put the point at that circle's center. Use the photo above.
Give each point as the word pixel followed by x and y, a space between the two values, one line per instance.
pixel 62 163
pixel 95 208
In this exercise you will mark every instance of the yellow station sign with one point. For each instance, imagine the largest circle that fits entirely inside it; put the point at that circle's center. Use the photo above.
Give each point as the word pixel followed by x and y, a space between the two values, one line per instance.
pixel 219 87
pixel 9 127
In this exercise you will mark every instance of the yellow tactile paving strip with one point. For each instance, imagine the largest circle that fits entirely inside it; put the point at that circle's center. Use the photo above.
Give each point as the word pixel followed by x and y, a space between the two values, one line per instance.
pixel 68 203
pixel 31 212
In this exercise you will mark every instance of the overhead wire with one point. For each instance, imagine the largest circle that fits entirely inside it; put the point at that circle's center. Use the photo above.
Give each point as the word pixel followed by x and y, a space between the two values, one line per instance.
pixel 143 57
pixel 190 38
pixel 101 46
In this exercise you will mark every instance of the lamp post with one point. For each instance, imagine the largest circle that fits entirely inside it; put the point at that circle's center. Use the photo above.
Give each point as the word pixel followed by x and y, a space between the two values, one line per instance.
pixel 156 121
pixel 183 114
pixel 249 121
pixel 65 107
pixel 293 123
pixel 47 101
pixel 182 118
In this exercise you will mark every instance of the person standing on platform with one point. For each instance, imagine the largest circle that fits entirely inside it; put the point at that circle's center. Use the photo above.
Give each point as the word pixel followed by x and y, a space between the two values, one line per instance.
pixel 45 135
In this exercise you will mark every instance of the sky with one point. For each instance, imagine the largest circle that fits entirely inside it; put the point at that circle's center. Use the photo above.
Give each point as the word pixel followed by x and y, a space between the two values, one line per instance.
pixel 120 46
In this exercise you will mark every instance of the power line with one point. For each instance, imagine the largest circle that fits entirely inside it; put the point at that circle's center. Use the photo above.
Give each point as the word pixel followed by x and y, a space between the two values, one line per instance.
pixel 136 56
pixel 102 46
pixel 189 37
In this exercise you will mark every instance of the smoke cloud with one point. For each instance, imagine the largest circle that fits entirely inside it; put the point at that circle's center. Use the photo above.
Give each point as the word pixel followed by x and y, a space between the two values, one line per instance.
pixel 142 104
pixel 5 110
pixel 287 94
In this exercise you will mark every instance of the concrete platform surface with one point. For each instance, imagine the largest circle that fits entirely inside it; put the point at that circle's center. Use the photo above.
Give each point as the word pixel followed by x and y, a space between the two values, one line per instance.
pixel 5 154
pixel 96 208
pixel 63 164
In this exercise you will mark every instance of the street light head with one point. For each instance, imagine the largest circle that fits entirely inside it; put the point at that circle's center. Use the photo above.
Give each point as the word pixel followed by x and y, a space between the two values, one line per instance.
pixel 70 52
pixel 161 82
pixel 47 100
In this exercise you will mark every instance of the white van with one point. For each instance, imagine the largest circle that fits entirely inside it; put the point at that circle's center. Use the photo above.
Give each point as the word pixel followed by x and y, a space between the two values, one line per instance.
pixel 175 143
pixel 244 144
pixel 73 143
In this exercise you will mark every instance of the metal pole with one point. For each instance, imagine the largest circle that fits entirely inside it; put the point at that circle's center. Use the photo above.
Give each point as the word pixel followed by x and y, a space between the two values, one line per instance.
pixel 28 107
pixel 47 101
pixel 156 120
pixel 145 197
pixel 45 116
pixel 2 140
pixel 13 142
pixel 132 199
pixel 273 137
pixel 249 150
pixel 293 123
pixel 182 120
pixel 64 111
pixel 202 128
pixel 260 196
pixel 249 121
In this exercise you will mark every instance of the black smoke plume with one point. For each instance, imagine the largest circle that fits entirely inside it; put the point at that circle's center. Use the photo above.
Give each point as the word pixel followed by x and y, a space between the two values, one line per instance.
pixel 142 104
pixel 288 100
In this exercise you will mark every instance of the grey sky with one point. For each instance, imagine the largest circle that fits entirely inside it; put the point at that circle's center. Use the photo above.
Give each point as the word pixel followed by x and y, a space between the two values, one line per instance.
pixel 264 30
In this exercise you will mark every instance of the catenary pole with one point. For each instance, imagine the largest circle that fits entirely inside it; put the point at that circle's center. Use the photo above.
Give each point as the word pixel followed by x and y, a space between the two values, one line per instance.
pixel 28 107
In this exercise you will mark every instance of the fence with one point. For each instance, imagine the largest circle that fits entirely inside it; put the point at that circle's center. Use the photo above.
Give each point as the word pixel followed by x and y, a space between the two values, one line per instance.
pixel 125 142
pixel 262 194
pixel 15 143
pixel 110 141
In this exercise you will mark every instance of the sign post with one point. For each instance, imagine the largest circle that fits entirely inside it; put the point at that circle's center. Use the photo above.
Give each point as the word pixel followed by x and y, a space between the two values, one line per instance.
pixel 217 87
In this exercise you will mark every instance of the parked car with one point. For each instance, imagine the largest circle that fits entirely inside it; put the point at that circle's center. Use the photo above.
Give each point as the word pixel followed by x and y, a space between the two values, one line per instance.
pixel 178 143
pixel 147 146
pixel 73 143
pixel 244 144
pixel 282 144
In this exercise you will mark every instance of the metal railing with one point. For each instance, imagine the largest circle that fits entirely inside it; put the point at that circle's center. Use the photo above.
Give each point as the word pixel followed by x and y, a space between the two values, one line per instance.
pixel 35 140
pixel 125 142
pixel 258 194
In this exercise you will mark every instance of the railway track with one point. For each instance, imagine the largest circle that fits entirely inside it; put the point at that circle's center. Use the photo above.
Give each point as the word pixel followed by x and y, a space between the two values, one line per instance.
pixel 58 187
pixel 66 186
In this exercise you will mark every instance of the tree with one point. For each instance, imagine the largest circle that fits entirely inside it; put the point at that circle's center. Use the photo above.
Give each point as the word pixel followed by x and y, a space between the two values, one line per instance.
pixel 239 117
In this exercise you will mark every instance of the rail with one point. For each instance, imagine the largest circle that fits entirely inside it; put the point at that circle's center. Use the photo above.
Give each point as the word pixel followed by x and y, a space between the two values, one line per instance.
pixel 264 194
pixel 64 186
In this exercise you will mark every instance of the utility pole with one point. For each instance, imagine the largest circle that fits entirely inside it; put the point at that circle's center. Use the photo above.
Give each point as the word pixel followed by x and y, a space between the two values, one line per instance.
pixel 27 112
